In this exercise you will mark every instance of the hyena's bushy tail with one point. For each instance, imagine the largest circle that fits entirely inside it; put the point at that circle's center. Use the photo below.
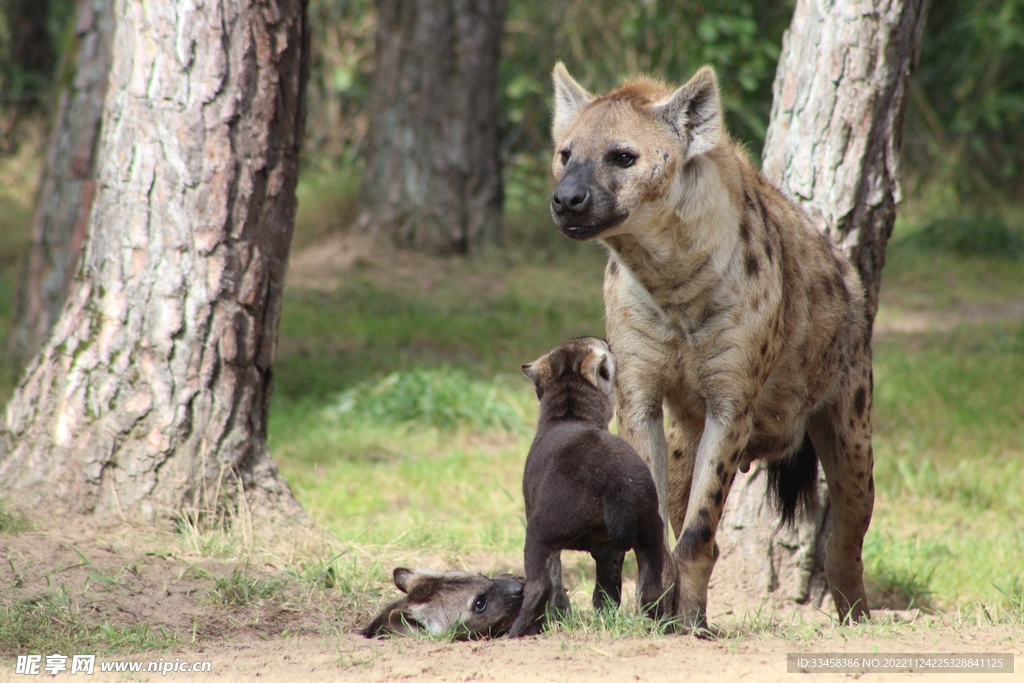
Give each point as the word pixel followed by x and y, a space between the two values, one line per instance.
pixel 793 482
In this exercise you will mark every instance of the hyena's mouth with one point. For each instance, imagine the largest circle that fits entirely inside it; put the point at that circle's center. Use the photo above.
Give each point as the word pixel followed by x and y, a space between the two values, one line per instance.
pixel 584 232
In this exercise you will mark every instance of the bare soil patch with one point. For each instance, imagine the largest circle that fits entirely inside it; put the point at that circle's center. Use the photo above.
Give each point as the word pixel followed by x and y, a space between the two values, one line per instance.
pixel 125 575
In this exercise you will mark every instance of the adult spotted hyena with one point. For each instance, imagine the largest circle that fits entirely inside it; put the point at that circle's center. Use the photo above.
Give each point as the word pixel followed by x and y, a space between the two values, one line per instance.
pixel 726 307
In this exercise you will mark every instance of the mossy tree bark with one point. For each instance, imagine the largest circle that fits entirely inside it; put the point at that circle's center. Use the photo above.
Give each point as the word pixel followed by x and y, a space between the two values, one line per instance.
pixel 433 174
pixel 67 186
pixel 151 394
pixel 833 144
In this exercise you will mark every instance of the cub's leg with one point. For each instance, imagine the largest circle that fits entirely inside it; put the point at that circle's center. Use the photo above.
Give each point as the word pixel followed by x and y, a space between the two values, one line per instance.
pixel 608 591
pixel 650 589
pixel 559 601
pixel 841 434
pixel 538 558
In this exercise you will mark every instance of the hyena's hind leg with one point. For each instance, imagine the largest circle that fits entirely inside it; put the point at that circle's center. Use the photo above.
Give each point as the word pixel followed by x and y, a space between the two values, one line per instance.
pixel 841 434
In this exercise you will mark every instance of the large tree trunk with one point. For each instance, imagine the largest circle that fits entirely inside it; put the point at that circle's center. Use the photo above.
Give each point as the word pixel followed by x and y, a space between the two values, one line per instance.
pixel 151 395
pixel 833 144
pixel 433 176
pixel 67 186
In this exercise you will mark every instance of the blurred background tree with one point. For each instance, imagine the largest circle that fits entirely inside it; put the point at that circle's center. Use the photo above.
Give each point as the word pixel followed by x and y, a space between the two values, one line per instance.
pixel 432 172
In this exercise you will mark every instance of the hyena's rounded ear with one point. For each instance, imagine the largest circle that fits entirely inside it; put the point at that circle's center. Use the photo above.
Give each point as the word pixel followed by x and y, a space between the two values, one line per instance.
pixel 570 101
pixel 695 112
pixel 403 578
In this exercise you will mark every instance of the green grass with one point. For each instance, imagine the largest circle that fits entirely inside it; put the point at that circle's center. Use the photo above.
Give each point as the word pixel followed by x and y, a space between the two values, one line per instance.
pixel 948 527
pixel 52 623
pixel 442 398
pixel 11 522
pixel 606 624
pixel 238 590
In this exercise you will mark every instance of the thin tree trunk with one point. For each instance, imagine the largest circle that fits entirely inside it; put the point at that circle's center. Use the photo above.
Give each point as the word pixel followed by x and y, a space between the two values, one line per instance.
pixel 433 174
pixel 151 394
pixel 67 187
pixel 833 144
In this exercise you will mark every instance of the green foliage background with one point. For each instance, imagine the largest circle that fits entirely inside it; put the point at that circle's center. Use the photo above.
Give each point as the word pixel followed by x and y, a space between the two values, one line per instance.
pixel 964 137
pixel 964 140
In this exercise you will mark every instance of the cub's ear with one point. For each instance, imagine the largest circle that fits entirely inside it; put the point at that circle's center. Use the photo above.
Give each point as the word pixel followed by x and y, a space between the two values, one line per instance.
pixel 416 582
pixel 538 372
pixel 599 369
pixel 695 112
pixel 403 578
pixel 570 100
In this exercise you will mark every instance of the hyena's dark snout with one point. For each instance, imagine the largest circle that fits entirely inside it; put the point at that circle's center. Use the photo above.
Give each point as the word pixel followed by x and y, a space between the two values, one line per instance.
pixel 571 198
pixel 581 206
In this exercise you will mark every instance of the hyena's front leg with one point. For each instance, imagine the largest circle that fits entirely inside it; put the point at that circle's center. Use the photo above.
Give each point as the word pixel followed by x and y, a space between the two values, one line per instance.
pixel 640 424
pixel 643 343
pixel 682 439
pixel 715 468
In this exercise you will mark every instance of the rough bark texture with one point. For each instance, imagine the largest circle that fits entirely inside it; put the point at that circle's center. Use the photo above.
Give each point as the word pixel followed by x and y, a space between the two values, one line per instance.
pixel 433 175
pixel 151 395
pixel 833 144
pixel 67 187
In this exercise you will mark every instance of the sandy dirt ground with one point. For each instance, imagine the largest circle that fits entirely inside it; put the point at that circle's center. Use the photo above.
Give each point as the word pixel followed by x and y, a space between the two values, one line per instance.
pixel 353 658
pixel 123 574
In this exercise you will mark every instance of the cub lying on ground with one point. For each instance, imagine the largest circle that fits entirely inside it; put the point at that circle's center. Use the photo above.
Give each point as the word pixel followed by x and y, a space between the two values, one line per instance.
pixel 437 602
pixel 585 488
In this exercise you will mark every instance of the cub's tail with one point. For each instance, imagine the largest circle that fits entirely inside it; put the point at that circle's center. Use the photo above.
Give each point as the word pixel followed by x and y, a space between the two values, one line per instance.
pixel 793 483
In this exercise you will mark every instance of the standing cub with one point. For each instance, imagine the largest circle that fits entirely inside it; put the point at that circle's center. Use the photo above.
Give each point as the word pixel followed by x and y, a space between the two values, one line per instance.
pixel 585 488
pixel 725 307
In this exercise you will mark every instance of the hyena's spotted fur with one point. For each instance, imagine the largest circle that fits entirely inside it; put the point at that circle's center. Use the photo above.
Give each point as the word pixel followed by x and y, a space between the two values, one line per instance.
pixel 726 308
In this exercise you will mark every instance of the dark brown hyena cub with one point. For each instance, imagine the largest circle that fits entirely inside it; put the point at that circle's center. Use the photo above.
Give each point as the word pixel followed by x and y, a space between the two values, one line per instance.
pixel 585 488
pixel 470 605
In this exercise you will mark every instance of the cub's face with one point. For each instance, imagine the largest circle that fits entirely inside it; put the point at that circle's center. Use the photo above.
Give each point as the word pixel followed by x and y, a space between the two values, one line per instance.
pixel 464 604
pixel 589 357
pixel 618 158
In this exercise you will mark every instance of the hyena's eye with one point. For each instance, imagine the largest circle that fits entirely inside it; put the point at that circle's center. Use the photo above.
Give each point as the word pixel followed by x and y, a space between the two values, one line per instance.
pixel 623 159
pixel 480 604
pixel 564 154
